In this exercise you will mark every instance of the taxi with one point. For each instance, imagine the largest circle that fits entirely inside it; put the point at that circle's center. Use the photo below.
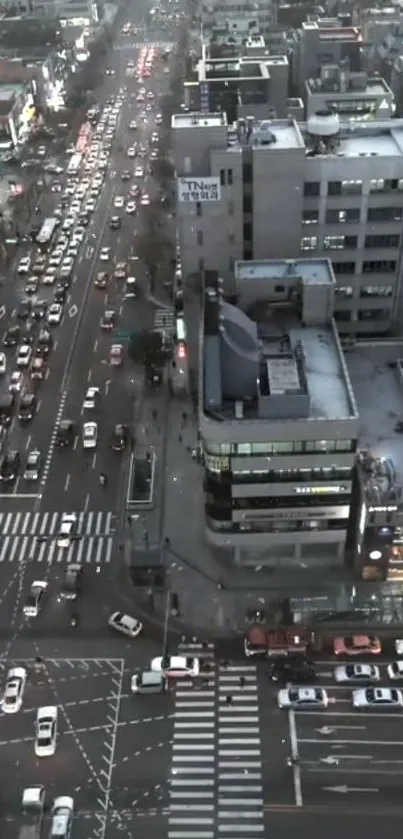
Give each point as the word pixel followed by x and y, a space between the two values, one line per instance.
pixel 116 355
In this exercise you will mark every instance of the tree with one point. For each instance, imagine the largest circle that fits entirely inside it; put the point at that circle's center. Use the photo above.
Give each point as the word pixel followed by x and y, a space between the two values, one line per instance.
pixel 147 348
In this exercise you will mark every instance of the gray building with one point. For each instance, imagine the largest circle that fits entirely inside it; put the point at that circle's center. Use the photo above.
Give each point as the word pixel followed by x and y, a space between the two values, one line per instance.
pixel 240 19
pixel 323 42
pixel 228 84
pixel 353 96
pixel 277 416
pixel 323 189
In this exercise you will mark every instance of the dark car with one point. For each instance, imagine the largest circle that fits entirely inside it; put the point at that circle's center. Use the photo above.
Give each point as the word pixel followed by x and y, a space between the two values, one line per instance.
pixel 9 466
pixel 38 311
pixel 84 219
pixel 120 438
pixel 24 309
pixel 7 404
pixel 107 321
pixel 73 581
pixel 12 336
pixel 60 294
pixel 45 343
pixel 297 669
pixel 65 434
pixel 126 175
pixel 27 408
pixel 116 223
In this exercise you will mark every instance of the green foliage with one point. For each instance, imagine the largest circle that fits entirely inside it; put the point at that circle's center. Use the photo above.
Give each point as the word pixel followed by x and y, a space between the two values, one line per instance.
pixel 146 347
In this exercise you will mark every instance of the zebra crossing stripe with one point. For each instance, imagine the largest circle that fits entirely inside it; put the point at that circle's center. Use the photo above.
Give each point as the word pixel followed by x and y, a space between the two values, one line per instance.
pixel 48 524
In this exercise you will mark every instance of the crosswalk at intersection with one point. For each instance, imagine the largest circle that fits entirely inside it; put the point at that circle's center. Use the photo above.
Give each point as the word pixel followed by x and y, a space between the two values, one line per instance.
pixel 32 537
pixel 216 787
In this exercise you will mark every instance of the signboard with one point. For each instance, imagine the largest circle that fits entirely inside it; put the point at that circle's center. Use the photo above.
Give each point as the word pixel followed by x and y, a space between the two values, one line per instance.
pixel 199 189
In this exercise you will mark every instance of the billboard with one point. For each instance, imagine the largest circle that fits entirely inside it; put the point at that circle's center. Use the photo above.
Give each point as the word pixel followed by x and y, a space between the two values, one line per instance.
pixel 199 189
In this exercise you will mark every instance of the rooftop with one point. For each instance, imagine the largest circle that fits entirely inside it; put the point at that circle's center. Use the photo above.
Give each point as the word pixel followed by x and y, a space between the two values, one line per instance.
pixel 378 389
pixel 262 361
pixel 230 68
pixel 316 271
pixel 198 120
pixel 271 134
pixel 354 86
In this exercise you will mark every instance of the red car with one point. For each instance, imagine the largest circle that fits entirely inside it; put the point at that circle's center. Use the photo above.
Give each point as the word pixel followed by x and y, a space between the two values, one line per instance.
pixel 357 645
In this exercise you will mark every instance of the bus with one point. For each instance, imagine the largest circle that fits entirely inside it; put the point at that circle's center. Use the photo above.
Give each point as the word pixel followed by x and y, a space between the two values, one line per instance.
pixel 74 164
pixel 47 232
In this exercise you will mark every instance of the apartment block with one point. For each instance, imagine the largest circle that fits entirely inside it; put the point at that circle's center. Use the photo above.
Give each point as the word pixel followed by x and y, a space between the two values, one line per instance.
pixel 322 42
pixel 277 417
pixel 273 190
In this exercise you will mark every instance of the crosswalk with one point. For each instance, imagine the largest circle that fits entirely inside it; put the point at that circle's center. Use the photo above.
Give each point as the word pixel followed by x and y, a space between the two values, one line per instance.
pixel 139 45
pixel 216 786
pixel 31 537
pixel 164 319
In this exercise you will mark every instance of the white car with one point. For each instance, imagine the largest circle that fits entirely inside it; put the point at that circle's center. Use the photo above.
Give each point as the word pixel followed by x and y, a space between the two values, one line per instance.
pixel 125 624
pixel 89 207
pixel 32 605
pixel 90 435
pixel 15 383
pixel 395 670
pixel 131 208
pixel 62 817
pixel 131 152
pixel 24 265
pixel 79 234
pixel 49 276
pixel 91 398
pixel 302 698
pixel 56 258
pixel 72 252
pixel 3 363
pixel 139 172
pixel 24 355
pixel 364 674
pixel 54 314
pixel 145 200
pixel 14 690
pixel 176 666
pixel 46 731
pixel 119 202
pixel 105 254
pixel 67 526
pixel 377 698
pixel 399 646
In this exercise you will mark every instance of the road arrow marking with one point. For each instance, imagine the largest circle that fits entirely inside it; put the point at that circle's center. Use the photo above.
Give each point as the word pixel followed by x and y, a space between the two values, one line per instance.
pixel 73 311
pixel 327 729
pixel 2 311
pixel 89 252
pixel 345 789
pixel 332 760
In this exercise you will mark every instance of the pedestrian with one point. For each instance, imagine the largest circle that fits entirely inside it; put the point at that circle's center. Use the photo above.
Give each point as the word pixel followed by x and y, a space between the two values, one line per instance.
pixel 180 437
pixel 224 664
pixel 228 700
pixel 242 681
pixel 184 417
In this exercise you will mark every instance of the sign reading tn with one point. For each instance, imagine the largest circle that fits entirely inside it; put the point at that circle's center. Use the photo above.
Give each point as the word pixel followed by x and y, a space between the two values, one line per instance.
pixel 199 189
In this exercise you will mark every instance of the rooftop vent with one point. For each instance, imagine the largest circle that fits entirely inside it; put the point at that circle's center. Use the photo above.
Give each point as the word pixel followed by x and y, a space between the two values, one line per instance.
pixel 324 124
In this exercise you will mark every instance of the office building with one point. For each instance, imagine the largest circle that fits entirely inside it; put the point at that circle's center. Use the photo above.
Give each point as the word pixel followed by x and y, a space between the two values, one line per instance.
pixel 323 42
pixel 274 190
pixel 354 96
pixel 240 19
pixel 234 83
pixel 277 417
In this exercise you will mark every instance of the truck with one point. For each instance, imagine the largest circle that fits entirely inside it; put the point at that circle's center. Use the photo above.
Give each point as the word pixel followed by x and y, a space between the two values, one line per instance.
pixel 33 811
pixel 261 642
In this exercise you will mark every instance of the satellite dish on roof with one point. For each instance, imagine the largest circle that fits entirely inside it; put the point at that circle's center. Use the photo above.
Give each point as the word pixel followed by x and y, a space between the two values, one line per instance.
pixel 324 124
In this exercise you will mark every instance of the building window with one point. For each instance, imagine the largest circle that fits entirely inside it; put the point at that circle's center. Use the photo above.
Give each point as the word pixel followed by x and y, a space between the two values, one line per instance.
pixel 247 204
pixel 342 316
pixel 310 217
pixel 377 185
pixel 385 214
pixel 222 177
pixel 231 263
pixel 247 232
pixel 201 263
pixel 343 216
pixel 198 208
pixel 247 254
pixel 334 188
pixel 379 266
pixel 385 184
pixel 373 315
pixel 339 243
pixel 390 240
pixel 247 173
pixel 376 291
pixel 230 208
pixel 279 289
pixel 309 243
pixel 343 267
pixel 199 237
pixel 344 291
pixel 312 188
pixel 230 177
